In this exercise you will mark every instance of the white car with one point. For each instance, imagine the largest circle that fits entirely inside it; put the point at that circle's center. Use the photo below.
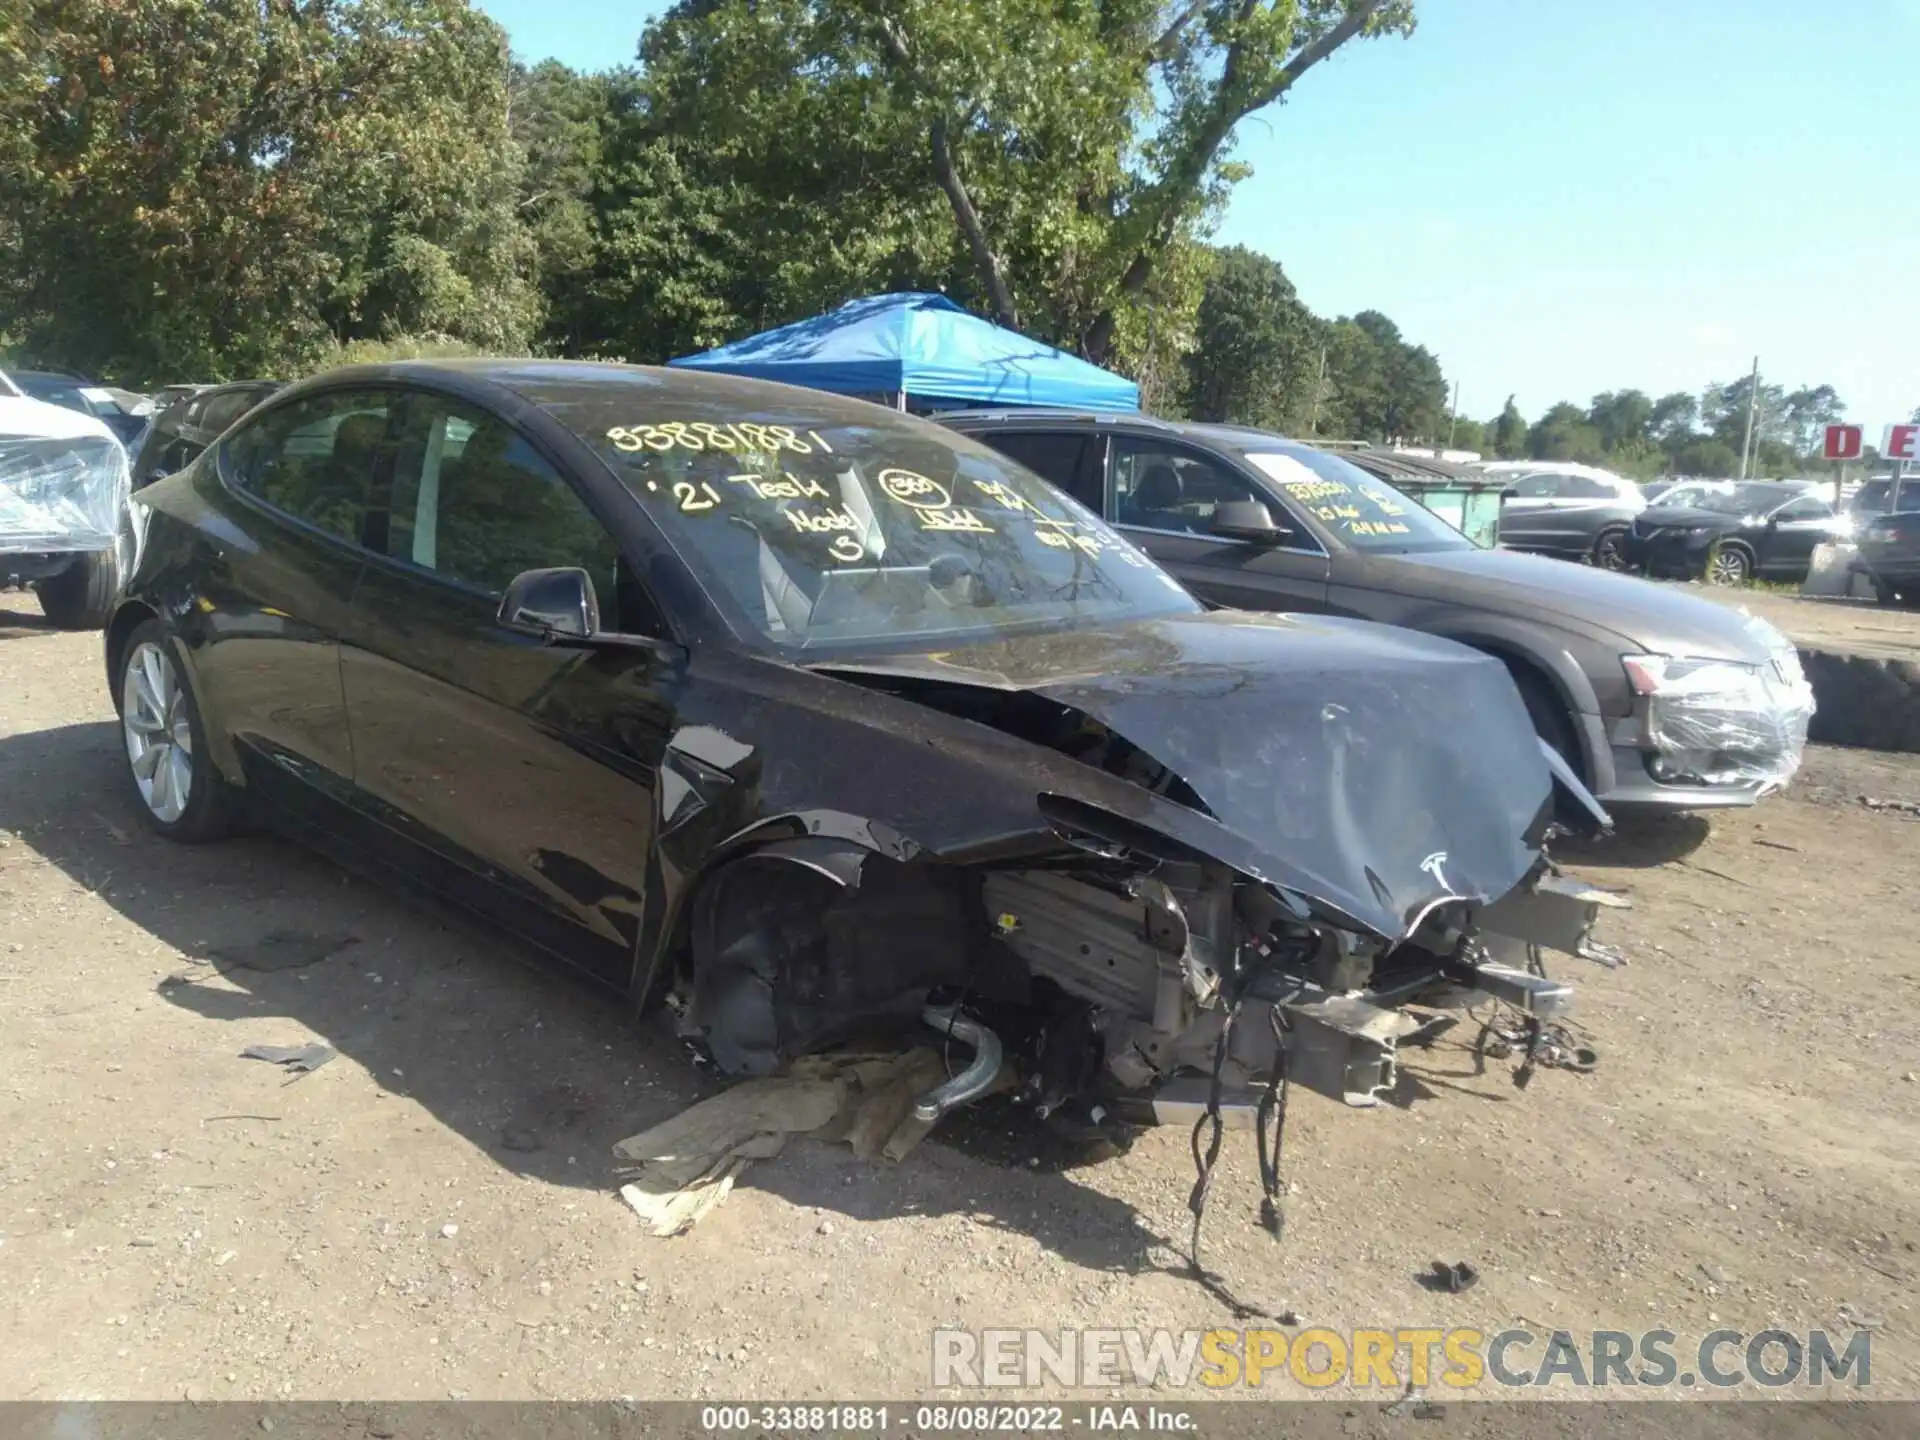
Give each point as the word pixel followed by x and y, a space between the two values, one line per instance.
pixel 63 506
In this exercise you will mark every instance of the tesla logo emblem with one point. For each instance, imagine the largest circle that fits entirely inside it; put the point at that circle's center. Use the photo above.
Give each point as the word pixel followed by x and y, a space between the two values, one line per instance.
pixel 1432 866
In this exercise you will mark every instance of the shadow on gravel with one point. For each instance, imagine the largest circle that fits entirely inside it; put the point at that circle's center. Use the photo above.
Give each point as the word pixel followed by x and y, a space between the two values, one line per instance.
pixel 1639 842
pixel 20 615
pixel 541 1074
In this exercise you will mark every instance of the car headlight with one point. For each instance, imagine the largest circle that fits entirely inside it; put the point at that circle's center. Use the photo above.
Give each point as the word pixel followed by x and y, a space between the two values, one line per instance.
pixel 1720 722
pixel 1673 677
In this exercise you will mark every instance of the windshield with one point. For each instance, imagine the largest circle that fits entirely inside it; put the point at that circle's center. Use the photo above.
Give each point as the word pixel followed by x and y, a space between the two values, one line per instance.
pixel 836 525
pixel 54 391
pixel 1361 511
pixel 1678 495
pixel 1743 499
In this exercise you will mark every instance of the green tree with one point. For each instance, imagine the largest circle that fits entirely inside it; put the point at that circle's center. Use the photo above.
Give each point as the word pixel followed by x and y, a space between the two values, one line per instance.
pixel 1673 418
pixel 559 118
pixel 1509 432
pixel 1707 457
pixel 1809 410
pixel 204 188
pixel 1622 417
pixel 1053 164
pixel 1565 433
pixel 1255 356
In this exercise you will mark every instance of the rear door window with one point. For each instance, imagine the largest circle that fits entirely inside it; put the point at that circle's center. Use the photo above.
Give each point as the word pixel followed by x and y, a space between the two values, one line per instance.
pixel 1056 457
pixel 318 459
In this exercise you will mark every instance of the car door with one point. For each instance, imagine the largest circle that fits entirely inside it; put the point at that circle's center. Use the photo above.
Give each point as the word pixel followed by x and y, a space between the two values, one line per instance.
pixel 511 775
pixel 1534 514
pixel 1163 493
pixel 277 581
pixel 1794 529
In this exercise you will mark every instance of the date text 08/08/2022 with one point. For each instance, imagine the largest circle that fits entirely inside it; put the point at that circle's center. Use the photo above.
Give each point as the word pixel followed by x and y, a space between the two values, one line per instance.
pixel 966 1419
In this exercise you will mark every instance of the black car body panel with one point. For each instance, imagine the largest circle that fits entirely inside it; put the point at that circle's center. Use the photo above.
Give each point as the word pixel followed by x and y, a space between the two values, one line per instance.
pixel 1890 553
pixel 1562 629
pixel 1774 526
pixel 192 422
pixel 844 733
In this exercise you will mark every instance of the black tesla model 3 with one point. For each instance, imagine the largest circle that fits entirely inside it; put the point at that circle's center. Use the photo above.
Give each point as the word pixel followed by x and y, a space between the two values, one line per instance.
pixel 807 714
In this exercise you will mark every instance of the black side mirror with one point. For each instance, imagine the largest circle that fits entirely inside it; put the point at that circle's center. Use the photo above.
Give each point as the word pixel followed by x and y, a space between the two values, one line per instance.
pixel 1248 521
pixel 557 604
pixel 1510 493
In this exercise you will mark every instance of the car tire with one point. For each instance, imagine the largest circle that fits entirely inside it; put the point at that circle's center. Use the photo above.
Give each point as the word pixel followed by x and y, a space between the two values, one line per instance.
pixel 81 596
pixel 1609 550
pixel 165 742
pixel 1885 593
pixel 1729 565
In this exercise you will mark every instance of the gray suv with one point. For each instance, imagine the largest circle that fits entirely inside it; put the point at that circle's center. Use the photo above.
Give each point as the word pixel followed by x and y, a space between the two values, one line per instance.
pixel 1659 699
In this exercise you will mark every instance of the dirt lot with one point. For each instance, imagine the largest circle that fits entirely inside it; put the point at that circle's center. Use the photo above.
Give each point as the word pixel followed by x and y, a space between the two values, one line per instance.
pixel 434 1214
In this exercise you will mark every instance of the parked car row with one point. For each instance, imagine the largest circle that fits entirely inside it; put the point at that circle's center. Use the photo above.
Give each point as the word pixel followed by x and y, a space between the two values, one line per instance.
pixel 1251 521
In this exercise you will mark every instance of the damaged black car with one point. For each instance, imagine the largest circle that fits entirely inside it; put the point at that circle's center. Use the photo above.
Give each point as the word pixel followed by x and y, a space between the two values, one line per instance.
pixel 801 715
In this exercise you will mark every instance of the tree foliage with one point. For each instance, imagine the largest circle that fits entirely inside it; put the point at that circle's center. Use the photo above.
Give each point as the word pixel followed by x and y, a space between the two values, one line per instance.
pixel 219 187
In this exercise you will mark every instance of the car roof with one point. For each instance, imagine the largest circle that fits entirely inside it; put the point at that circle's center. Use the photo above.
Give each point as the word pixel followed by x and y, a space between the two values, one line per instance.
pixel 1232 437
pixel 554 382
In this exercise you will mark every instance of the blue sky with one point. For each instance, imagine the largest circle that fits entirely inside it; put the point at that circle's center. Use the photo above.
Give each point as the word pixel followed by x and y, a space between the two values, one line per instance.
pixel 1561 197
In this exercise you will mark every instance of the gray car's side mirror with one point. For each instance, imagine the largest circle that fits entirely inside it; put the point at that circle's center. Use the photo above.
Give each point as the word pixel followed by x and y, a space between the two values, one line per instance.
pixel 557 604
pixel 1248 521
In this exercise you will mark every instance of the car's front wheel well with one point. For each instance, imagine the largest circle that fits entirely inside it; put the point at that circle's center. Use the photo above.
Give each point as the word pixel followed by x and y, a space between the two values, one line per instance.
pixel 1551 709
pixel 131 615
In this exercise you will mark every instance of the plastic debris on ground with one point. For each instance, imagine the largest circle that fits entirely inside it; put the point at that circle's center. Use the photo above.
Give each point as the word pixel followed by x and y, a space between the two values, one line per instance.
pixel 297 1059
pixel 685 1167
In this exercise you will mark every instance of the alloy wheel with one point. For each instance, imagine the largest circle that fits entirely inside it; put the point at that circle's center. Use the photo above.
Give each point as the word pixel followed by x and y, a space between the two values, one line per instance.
pixel 1610 551
pixel 159 738
pixel 1728 567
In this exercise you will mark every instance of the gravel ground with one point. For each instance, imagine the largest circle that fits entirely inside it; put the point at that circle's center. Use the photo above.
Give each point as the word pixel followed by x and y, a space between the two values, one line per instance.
pixel 435 1215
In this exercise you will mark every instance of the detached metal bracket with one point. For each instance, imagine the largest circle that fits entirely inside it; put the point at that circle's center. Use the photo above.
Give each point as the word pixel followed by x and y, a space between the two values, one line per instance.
pixel 1556 912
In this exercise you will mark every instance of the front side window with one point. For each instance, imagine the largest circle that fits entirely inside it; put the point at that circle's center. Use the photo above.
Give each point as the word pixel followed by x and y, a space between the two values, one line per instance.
pixel 1538 487
pixel 828 525
pixel 474 501
pixel 1163 487
pixel 1809 507
pixel 1363 511
pixel 318 458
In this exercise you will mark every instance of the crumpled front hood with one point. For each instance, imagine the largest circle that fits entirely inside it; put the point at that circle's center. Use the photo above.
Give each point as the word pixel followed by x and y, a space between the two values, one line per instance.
pixel 1383 769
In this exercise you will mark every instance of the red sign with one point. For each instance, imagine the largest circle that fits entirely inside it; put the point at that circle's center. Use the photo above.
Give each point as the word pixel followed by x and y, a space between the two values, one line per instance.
pixel 1902 442
pixel 1843 442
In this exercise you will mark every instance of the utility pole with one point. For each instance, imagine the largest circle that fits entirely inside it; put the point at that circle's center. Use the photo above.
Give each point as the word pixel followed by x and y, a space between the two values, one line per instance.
pixel 1753 399
pixel 1319 382
pixel 1453 424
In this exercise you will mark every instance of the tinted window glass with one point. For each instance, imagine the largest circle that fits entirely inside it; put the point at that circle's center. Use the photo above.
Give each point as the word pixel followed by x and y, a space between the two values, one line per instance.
pixel 1809 508
pixel 472 500
pixel 1537 487
pixel 1163 487
pixel 317 459
pixel 222 410
pixel 1585 487
pixel 1054 458
pixel 820 524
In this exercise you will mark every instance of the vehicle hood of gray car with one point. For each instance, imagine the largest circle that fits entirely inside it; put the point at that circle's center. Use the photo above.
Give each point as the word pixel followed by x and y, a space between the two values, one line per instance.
pixel 1659 619
pixel 1373 769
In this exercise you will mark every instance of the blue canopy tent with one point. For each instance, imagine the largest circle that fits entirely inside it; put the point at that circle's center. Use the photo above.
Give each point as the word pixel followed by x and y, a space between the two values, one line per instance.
pixel 918 347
